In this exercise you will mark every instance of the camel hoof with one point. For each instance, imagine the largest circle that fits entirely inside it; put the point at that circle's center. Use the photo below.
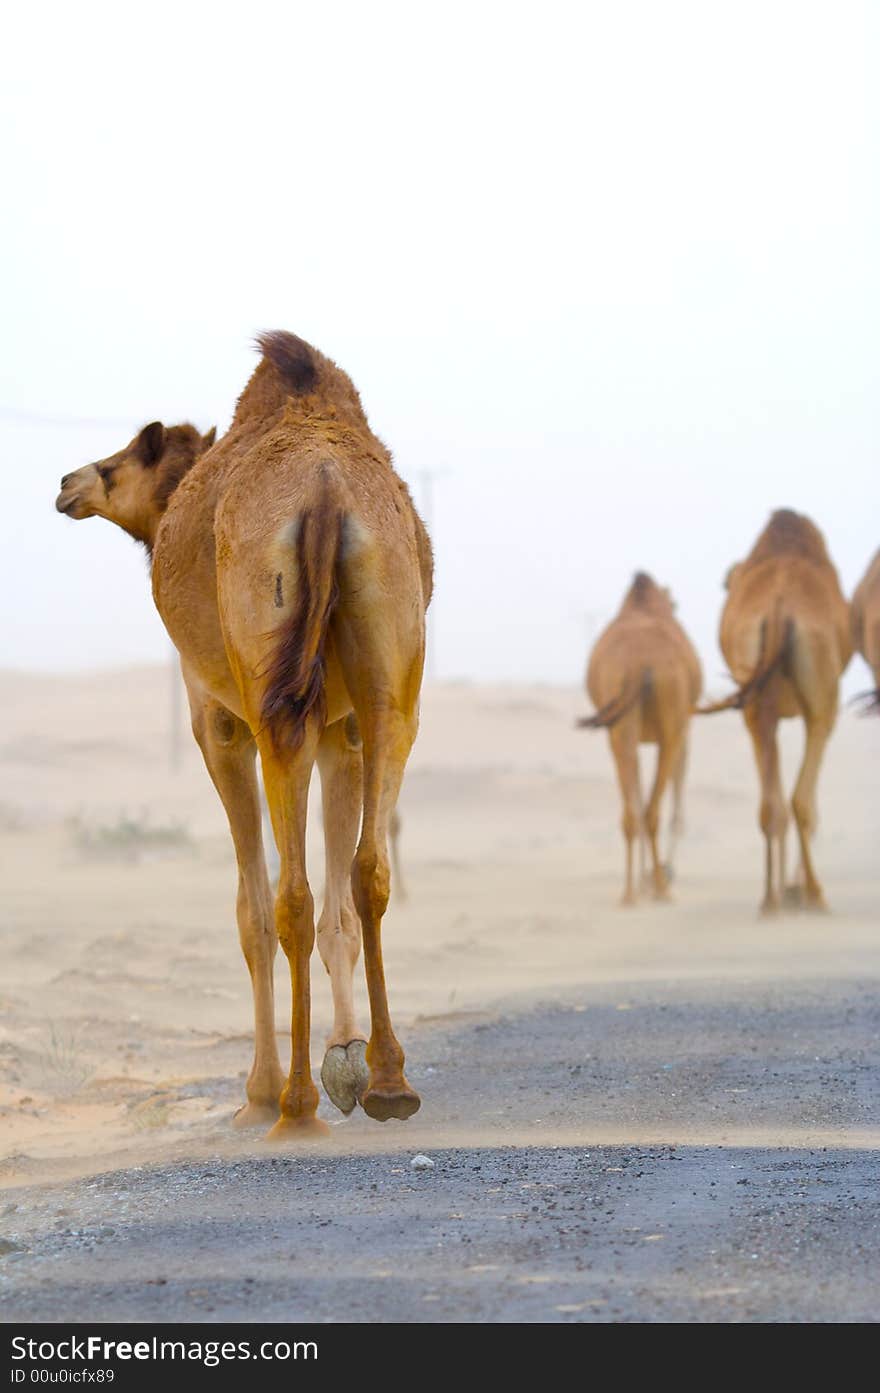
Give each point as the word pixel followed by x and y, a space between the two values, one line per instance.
pixel 769 908
pixel 669 872
pixel 256 1115
pixel 793 896
pixel 384 1103
pixel 290 1130
pixel 815 904
pixel 628 902
pixel 345 1075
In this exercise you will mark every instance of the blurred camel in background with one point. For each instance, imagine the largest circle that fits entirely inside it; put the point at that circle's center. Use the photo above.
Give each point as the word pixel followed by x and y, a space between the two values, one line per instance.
pixel 865 612
pixel 292 573
pixel 644 678
pixel 398 888
pixel 785 632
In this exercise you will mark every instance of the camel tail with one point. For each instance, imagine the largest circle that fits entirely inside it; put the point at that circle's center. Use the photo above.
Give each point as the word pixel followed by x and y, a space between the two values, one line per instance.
pixel 868 703
pixel 615 709
pixel 873 704
pixel 296 671
pixel 777 638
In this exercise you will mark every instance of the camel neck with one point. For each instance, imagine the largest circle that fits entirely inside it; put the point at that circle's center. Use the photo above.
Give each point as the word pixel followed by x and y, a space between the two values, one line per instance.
pixel 144 529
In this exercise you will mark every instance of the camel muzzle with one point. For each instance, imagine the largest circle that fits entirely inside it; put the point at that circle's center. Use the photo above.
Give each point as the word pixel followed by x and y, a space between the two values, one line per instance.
pixel 65 503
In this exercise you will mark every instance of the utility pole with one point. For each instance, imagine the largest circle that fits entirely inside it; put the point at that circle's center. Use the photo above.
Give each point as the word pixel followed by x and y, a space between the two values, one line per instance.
pixel 591 618
pixel 175 709
pixel 426 501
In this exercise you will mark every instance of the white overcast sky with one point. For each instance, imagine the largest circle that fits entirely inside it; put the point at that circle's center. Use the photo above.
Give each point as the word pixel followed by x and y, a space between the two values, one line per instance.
pixel 612 267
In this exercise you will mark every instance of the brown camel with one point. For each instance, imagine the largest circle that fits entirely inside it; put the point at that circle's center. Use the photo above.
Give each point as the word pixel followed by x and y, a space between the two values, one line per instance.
pixel 865 611
pixel 292 572
pixel 644 678
pixel 785 635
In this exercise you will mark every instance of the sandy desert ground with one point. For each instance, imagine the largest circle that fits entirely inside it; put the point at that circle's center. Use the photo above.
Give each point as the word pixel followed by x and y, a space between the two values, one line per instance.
pixel 670 1090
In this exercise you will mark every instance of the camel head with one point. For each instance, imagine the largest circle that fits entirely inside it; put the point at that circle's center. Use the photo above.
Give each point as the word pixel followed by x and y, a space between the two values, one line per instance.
pixel 132 487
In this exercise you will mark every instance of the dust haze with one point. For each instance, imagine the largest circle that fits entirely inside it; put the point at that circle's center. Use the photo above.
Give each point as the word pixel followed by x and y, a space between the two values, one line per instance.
pixel 611 275
pixel 606 281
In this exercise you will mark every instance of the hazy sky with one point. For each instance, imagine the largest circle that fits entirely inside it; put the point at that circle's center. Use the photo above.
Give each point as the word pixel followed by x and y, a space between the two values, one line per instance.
pixel 613 267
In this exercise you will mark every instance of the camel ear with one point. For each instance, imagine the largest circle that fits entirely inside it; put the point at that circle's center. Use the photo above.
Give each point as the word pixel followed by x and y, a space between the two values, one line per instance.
pixel 150 443
pixel 209 437
pixel 730 575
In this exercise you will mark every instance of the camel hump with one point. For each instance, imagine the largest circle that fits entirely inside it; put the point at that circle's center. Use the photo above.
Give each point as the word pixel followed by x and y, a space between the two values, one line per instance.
pixel 295 361
pixel 644 594
pixel 642 585
pixel 790 534
pixel 296 674
pixel 642 590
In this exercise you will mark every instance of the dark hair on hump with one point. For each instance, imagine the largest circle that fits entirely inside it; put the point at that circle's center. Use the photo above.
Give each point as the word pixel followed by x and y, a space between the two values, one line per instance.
pixel 292 358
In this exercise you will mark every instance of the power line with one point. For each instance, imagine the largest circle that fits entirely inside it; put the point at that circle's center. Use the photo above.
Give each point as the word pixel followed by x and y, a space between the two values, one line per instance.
pixel 39 418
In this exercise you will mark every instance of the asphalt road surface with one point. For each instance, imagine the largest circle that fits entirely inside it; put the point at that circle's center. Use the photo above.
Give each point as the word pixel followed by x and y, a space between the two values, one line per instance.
pixel 652 1153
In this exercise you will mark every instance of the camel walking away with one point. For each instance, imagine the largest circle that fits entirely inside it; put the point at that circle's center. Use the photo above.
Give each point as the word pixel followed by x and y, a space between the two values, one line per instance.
pixel 785 633
pixel 865 612
pixel 292 573
pixel 644 678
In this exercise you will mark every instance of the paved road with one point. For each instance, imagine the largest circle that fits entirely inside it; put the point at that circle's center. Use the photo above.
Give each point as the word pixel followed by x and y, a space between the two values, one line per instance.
pixel 701 1154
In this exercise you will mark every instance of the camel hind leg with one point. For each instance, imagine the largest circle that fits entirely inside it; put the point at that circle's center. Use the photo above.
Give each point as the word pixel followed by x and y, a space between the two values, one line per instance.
pixel 815 678
pixel 229 753
pixel 384 689
pixel 344 1072
pixel 642 881
pixel 287 774
pixel 668 752
pixel 624 740
pixel 762 720
pixel 668 705
pixel 388 737
pixel 676 825
pixel 803 805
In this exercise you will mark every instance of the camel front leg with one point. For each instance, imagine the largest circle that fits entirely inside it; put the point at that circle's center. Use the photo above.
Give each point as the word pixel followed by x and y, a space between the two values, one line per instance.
pixel 344 1073
pixel 229 753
